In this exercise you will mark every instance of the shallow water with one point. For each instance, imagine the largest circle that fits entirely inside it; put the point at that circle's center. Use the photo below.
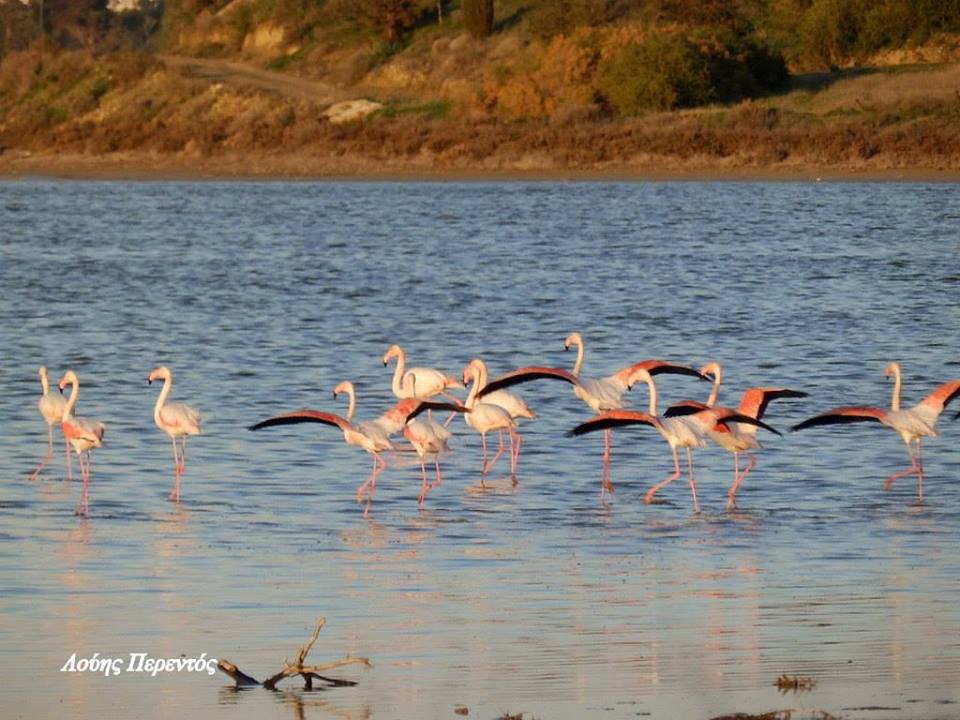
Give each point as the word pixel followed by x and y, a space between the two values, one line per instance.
pixel 535 598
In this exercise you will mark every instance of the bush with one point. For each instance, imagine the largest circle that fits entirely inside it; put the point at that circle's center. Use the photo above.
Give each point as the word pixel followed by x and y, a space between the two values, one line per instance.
pixel 478 17
pixel 661 73
pixel 561 17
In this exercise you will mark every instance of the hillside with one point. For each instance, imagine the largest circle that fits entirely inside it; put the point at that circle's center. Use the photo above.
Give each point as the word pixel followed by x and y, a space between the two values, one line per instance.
pixel 291 87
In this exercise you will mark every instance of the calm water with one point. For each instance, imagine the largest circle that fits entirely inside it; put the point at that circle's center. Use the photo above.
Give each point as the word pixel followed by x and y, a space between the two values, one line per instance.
pixel 536 598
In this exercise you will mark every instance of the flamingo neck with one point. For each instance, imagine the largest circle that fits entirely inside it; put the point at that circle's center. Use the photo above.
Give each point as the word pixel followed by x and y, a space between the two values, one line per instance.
pixel 652 391
pixel 895 400
pixel 479 376
pixel 72 400
pixel 579 361
pixel 351 402
pixel 715 392
pixel 44 383
pixel 161 399
pixel 397 385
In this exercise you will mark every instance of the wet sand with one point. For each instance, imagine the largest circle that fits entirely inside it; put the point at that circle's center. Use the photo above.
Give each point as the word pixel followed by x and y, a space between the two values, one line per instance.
pixel 143 166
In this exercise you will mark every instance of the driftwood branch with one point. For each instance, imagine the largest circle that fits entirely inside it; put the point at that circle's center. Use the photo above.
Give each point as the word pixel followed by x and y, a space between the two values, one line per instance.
pixel 308 672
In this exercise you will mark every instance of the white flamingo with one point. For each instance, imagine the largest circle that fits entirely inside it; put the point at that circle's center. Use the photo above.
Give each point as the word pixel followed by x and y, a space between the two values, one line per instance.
pixel 419 382
pixel 485 416
pixel 910 423
pixel 177 420
pixel 82 433
pixel 51 408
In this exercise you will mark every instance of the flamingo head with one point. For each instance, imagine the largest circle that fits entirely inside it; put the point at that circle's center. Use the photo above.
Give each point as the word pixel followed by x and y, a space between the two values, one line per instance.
pixel 892 369
pixel 160 373
pixel 711 369
pixel 394 351
pixel 345 387
pixel 638 375
pixel 472 370
pixel 69 378
pixel 572 339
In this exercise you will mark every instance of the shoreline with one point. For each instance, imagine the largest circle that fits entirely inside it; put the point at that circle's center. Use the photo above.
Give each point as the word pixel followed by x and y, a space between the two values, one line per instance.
pixel 145 167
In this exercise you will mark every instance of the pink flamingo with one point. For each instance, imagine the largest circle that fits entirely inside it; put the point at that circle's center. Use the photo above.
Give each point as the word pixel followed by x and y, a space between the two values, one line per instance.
pixel 427 438
pixel 176 420
pixel 600 394
pixel 911 423
pixel 679 432
pixel 369 436
pixel 734 437
pixel 418 382
pixel 51 410
pixel 83 434
pixel 484 417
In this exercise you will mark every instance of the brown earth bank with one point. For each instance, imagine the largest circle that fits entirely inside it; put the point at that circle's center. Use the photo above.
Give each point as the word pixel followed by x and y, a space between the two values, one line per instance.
pixel 139 166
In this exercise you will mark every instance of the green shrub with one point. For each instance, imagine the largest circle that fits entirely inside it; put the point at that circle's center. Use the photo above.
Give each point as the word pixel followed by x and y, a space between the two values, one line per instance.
pixel 661 73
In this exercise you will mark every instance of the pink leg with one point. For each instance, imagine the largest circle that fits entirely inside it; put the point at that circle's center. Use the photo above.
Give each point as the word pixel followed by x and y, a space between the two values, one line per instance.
pixel 693 483
pixel 605 485
pixel 738 478
pixel 175 492
pixel 648 498
pixel 84 506
pixel 483 467
pixel 366 487
pixel 66 444
pixel 919 473
pixel 423 483
pixel 496 457
pixel 515 442
pixel 912 470
pixel 46 458
pixel 436 463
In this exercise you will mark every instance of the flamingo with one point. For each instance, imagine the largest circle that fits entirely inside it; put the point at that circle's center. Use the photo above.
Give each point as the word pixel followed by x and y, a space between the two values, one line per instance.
pixel 513 404
pixel 369 436
pixel 484 417
pixel 176 420
pixel 600 394
pixel 911 423
pixel 735 438
pixel 82 433
pixel 51 410
pixel 679 432
pixel 418 382
pixel 427 438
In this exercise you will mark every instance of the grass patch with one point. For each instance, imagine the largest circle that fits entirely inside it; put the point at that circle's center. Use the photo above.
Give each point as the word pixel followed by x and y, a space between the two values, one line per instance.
pixel 433 110
pixel 282 62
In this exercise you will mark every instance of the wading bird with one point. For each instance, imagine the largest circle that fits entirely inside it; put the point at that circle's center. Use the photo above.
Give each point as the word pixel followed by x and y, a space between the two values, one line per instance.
pixel 733 437
pixel 369 436
pixel 911 423
pixel 419 382
pixel 51 408
pixel 177 420
pixel 679 432
pixel 82 433
pixel 485 416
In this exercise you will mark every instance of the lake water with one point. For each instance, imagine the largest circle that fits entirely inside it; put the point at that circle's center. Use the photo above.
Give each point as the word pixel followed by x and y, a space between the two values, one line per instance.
pixel 536 598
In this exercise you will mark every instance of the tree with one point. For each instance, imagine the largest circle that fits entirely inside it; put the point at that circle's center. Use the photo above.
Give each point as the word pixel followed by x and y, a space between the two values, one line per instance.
pixel 478 17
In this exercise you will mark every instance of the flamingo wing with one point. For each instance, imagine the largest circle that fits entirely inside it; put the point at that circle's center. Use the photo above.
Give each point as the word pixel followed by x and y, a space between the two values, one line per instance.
pixel 942 396
pixel 841 415
pixel 525 374
pixel 430 405
pixel 657 367
pixel 181 416
pixel 302 416
pixel 613 419
pixel 685 407
pixel 731 416
pixel 755 400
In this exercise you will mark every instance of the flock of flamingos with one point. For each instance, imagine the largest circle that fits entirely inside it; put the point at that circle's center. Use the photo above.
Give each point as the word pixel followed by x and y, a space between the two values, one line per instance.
pixel 489 406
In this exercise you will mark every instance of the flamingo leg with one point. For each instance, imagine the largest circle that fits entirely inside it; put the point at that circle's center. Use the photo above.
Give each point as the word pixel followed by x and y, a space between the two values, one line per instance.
pixel 449 419
pixel 183 454
pixel 436 464
pixel 84 507
pixel 423 483
pixel 175 492
pixel 605 485
pixel 919 473
pixel 515 441
pixel 46 458
pixel 693 483
pixel 914 468
pixel 364 488
pixel 648 498
pixel 483 468
pixel 738 478
pixel 69 459
pixel 498 454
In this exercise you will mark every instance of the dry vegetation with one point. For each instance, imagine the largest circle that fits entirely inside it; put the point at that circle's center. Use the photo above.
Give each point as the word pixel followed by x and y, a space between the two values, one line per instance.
pixel 518 100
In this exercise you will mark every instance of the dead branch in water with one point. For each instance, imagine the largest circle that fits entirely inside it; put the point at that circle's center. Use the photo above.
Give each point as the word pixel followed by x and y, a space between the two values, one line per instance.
pixel 308 672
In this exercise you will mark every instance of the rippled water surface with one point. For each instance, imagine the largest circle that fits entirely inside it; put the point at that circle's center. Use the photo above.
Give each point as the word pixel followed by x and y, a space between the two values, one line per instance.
pixel 534 598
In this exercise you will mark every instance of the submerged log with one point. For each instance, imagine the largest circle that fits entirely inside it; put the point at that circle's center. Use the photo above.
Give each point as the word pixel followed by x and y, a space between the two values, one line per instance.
pixel 309 673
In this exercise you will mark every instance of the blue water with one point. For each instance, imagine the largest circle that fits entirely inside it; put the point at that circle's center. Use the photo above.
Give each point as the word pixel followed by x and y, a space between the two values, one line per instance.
pixel 535 597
